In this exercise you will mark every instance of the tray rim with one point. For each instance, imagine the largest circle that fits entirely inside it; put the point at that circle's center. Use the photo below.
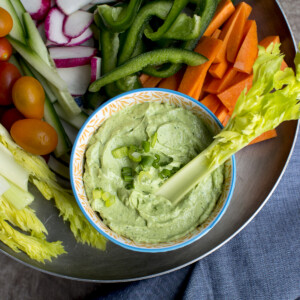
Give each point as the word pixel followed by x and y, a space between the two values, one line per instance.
pixel 207 253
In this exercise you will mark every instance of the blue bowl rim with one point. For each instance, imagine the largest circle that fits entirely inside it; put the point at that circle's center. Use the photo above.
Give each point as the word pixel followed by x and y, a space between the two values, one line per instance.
pixel 169 248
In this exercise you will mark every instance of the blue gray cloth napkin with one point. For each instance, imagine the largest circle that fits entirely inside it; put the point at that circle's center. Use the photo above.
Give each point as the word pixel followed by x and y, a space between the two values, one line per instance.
pixel 261 262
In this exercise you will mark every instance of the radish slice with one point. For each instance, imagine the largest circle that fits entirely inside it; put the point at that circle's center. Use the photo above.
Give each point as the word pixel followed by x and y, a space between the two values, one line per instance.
pixel 76 78
pixel 70 6
pixel 41 29
pixel 53 3
pixel 66 57
pixel 76 23
pixel 81 39
pixel 38 9
pixel 95 68
pixel 102 1
pixel 54 25
pixel 51 44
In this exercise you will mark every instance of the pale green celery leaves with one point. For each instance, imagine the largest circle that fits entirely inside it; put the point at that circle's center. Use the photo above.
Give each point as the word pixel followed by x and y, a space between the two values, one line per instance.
pixel 273 99
pixel 42 177
pixel 24 218
pixel 36 248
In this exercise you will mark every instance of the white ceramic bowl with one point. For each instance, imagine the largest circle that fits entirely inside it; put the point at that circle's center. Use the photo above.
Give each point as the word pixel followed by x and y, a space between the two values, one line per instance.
pixel 94 122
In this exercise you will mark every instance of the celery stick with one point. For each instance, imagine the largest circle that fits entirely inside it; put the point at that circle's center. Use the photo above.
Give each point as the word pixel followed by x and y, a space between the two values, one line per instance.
pixel 11 170
pixel 4 185
pixel 17 197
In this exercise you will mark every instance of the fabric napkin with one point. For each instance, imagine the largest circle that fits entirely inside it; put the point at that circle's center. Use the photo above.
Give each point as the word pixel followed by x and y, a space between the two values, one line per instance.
pixel 261 262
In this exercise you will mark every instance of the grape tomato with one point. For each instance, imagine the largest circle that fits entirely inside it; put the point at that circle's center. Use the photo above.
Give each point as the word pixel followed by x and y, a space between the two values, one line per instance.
pixel 5 49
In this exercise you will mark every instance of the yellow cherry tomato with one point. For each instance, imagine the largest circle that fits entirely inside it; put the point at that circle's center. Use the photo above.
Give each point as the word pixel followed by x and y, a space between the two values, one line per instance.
pixel 6 22
pixel 29 97
pixel 34 136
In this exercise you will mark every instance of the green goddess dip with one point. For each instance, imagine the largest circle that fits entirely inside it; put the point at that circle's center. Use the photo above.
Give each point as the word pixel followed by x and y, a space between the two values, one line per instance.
pixel 170 137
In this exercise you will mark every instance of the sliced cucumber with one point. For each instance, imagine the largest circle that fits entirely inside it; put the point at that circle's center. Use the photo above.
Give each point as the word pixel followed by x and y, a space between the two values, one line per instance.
pixel 76 121
pixel 58 168
pixel 34 38
pixel 15 62
pixel 17 31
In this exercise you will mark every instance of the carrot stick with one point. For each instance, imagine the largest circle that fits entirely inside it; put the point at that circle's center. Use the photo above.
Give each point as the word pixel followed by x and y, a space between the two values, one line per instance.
pixel 172 82
pixel 265 136
pixel 224 10
pixel 226 119
pixel 212 102
pixel 144 78
pixel 216 86
pixel 193 77
pixel 273 39
pixel 152 82
pixel 221 113
pixel 218 70
pixel 216 34
pixel 268 40
pixel 248 51
pixel 236 38
pixel 241 14
pixel 231 95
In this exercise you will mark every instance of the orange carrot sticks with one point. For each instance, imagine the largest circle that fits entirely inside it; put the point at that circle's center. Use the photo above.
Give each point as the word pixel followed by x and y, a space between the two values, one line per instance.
pixel 193 77
pixel 216 86
pixel 248 52
pixel 265 136
pixel 221 113
pixel 241 14
pixel 218 70
pixel 172 82
pixel 224 10
pixel 212 102
pixel 151 82
pixel 216 34
pixel 231 95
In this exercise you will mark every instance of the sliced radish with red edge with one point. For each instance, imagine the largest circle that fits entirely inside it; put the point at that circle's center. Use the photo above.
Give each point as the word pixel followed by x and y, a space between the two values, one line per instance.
pixel 95 68
pixel 76 23
pixel 76 78
pixel 54 25
pixel 70 6
pixel 66 57
pixel 86 35
pixel 38 9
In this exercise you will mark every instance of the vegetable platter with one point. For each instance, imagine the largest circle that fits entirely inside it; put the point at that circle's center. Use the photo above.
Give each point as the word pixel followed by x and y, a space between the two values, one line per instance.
pixel 259 167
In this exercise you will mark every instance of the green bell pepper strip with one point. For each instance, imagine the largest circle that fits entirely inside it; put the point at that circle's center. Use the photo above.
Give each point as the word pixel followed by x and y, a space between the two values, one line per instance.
pixel 131 82
pixel 184 28
pixel 109 50
pixel 206 9
pixel 177 7
pixel 155 57
pixel 159 9
pixel 123 20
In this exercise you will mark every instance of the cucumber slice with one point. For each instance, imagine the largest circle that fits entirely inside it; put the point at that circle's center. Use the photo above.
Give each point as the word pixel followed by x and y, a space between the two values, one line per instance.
pixel 34 38
pixel 17 31
pixel 76 121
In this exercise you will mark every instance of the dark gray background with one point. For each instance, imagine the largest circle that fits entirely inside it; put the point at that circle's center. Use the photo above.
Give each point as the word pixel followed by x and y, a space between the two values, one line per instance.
pixel 21 282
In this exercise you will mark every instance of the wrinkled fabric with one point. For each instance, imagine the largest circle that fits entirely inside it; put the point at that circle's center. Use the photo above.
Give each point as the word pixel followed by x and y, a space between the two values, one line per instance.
pixel 261 262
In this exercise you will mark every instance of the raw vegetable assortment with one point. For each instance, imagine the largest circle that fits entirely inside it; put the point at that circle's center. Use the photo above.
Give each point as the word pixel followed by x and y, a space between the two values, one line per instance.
pixel 57 69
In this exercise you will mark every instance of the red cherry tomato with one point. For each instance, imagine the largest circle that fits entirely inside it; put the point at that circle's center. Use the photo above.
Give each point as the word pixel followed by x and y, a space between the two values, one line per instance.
pixel 5 49
pixel 29 97
pixel 9 74
pixel 6 22
pixel 34 136
pixel 9 117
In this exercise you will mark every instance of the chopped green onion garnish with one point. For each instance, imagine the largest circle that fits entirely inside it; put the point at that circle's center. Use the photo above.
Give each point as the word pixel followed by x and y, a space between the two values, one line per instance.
pixel 166 161
pixel 146 161
pixel 133 154
pixel 110 201
pixel 165 173
pixel 126 171
pixel 129 186
pixel 153 139
pixel 156 161
pixel 146 146
pixel 97 193
pixel 120 152
pixel 127 178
